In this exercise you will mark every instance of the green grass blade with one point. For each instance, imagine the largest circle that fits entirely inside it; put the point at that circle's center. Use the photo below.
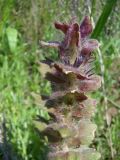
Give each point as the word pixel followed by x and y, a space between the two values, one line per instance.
pixel 5 13
pixel 12 36
pixel 103 18
pixel 93 8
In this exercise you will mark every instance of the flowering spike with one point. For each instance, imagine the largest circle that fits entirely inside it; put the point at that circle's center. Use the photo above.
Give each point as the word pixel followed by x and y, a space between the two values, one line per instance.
pixel 71 79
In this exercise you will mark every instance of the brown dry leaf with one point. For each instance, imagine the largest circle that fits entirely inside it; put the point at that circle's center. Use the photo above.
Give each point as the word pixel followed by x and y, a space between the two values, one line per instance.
pixel 82 153
pixel 79 72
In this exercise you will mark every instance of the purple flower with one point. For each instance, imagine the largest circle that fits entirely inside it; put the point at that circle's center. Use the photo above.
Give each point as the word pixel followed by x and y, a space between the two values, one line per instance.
pixel 73 76
pixel 76 48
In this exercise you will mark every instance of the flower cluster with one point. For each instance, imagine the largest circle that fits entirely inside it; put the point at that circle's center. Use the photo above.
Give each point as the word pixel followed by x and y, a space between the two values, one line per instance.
pixel 69 106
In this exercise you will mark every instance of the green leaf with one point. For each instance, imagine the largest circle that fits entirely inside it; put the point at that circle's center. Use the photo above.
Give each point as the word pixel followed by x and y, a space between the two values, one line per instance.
pixel 5 13
pixel 103 18
pixel 12 36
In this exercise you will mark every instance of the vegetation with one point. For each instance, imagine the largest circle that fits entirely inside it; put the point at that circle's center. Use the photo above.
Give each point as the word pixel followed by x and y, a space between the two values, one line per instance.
pixel 22 25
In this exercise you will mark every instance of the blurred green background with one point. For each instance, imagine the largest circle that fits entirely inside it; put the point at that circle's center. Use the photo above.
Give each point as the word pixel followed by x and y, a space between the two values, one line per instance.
pixel 22 24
